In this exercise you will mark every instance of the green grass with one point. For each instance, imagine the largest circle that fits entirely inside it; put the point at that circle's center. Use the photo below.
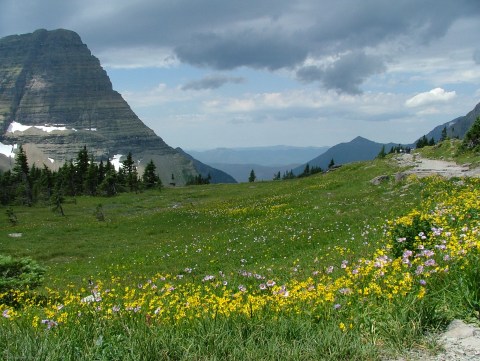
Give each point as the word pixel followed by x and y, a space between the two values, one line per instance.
pixel 282 230
pixel 209 228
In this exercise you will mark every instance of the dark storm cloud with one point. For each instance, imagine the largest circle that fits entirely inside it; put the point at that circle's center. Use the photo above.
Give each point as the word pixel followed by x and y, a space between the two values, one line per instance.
pixel 212 82
pixel 246 49
pixel 262 34
pixel 344 75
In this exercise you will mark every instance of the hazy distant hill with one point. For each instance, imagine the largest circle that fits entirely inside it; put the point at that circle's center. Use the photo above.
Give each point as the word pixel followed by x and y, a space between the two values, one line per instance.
pixel 217 175
pixel 241 172
pixel 356 150
pixel 274 156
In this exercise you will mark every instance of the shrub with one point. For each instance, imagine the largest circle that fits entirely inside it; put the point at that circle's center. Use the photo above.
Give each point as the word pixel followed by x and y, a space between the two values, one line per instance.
pixel 409 232
pixel 19 274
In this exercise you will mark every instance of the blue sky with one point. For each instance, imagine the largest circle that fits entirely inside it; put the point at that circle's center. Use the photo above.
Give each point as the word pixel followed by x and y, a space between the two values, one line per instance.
pixel 215 73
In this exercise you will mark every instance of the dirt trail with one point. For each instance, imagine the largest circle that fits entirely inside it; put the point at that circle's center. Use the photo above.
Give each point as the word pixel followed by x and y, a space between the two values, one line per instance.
pixel 423 167
pixel 461 342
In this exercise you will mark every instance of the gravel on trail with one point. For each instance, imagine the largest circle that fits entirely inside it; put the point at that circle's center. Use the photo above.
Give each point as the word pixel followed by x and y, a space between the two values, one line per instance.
pixel 423 167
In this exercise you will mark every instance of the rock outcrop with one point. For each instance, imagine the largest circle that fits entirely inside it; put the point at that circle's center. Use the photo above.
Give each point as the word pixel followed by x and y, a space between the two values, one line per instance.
pixel 55 98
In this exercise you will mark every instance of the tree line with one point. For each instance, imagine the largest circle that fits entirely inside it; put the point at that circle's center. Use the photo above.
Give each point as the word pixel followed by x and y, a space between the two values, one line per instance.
pixel 27 185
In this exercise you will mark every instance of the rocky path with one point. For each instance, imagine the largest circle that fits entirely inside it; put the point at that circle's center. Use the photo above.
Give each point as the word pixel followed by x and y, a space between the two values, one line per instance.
pixel 461 342
pixel 423 167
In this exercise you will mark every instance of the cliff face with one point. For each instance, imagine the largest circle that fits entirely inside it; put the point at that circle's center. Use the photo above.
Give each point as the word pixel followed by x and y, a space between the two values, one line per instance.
pixel 55 98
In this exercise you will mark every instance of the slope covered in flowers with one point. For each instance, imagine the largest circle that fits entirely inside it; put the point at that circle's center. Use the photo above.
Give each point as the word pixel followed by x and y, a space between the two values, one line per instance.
pixel 354 299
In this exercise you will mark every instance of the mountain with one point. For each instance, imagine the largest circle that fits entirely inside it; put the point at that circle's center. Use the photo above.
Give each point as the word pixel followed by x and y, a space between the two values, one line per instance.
pixel 457 127
pixel 216 174
pixel 274 156
pixel 55 98
pixel 356 150
pixel 241 172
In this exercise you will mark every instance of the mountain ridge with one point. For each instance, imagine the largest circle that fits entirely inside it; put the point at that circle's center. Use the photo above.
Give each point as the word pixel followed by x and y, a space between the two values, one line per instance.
pixel 269 156
pixel 55 98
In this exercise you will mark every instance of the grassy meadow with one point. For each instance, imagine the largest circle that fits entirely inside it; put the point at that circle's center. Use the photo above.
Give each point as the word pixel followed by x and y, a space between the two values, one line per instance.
pixel 325 267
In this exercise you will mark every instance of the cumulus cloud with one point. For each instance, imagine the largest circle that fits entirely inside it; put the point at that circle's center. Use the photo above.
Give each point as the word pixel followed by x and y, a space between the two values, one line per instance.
pixel 212 82
pixel 345 74
pixel 433 96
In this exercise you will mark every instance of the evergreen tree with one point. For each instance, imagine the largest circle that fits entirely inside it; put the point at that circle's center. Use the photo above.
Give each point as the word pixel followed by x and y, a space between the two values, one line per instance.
pixel 101 172
pixel 315 170
pixel 109 185
pixel 471 141
pixel 252 176
pixel 431 141
pixel 21 171
pixel 7 188
pixel 382 153
pixel 131 175
pixel 276 176
pixel 47 180
pixel 288 175
pixel 150 178
pixel 331 164
pixel 444 134
pixel 91 179
pixel 81 169
pixel 422 142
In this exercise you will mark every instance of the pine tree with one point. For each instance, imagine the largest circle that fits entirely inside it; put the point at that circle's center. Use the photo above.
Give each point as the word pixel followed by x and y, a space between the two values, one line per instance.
pixel 150 177
pixel 21 173
pixel 110 183
pixel 331 164
pixel 422 142
pixel 382 153
pixel 444 134
pixel 131 175
pixel 81 169
pixel 21 169
pixel 472 137
pixel 252 176
pixel 91 178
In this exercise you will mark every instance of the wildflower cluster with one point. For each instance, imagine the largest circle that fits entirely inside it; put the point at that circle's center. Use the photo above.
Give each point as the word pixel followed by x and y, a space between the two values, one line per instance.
pixel 419 247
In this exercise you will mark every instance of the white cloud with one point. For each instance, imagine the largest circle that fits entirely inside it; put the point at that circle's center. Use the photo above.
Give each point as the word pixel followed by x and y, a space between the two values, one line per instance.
pixel 137 57
pixel 433 96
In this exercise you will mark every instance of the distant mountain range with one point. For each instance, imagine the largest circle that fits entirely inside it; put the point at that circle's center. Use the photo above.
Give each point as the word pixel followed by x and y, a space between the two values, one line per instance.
pixel 268 161
pixel 241 172
pixel 265 161
pixel 273 156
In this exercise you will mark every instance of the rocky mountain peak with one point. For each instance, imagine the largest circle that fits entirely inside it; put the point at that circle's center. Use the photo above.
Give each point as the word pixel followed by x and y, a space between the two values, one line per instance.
pixel 55 98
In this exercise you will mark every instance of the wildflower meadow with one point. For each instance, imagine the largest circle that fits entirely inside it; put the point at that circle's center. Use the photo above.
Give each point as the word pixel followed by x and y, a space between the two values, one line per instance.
pixel 328 267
